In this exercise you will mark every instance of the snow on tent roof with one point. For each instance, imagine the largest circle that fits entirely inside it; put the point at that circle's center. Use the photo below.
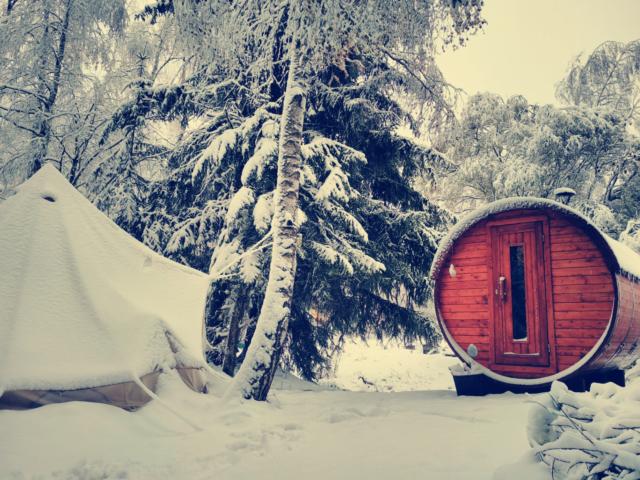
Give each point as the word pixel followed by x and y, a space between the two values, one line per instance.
pixel 82 303
pixel 627 260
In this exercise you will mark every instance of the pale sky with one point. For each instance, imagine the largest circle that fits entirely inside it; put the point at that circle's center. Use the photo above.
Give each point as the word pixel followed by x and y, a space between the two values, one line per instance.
pixel 527 45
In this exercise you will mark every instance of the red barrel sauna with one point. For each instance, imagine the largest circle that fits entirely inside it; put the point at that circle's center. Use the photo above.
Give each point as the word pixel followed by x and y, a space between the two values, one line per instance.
pixel 528 291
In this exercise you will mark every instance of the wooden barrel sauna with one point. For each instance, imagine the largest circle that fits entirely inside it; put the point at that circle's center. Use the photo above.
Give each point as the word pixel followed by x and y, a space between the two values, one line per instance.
pixel 528 291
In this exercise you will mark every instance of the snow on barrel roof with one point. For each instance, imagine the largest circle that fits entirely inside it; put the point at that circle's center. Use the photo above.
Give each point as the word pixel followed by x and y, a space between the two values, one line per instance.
pixel 83 303
pixel 627 260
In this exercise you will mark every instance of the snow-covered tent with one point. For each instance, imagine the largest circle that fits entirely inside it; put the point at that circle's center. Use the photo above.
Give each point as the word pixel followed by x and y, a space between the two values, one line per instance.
pixel 86 311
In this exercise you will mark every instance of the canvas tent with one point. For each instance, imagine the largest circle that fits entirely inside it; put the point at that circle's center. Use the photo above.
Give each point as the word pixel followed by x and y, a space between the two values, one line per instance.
pixel 86 311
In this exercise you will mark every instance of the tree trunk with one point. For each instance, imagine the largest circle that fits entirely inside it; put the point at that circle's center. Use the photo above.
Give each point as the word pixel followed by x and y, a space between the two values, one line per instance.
pixel 248 336
pixel 233 335
pixel 43 123
pixel 214 330
pixel 256 373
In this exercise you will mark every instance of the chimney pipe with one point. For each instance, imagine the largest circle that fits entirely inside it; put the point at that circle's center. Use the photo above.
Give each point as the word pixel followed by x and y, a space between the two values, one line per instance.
pixel 564 194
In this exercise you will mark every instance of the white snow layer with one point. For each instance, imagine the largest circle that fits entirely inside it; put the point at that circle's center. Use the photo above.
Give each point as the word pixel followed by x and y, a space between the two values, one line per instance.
pixel 585 435
pixel 627 259
pixel 303 432
pixel 83 303
pixel 373 366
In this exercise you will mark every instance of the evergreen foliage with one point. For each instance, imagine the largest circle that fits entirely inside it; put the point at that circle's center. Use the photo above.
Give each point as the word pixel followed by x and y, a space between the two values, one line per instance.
pixel 368 235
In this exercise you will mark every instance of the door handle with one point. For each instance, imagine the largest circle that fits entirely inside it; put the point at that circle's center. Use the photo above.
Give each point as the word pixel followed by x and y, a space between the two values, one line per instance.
pixel 502 289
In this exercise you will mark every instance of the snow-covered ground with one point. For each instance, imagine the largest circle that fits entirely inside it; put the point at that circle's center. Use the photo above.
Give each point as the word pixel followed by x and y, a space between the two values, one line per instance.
pixel 389 367
pixel 306 431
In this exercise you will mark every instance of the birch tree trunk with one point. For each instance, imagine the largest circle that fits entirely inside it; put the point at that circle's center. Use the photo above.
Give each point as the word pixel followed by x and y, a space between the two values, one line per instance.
pixel 49 91
pixel 255 376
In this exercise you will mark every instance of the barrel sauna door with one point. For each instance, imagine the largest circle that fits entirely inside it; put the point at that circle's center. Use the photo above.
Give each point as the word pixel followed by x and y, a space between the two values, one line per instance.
pixel 519 330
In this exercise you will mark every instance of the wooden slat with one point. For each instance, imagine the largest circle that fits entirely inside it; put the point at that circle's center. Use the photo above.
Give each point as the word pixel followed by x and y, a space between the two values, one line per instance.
pixel 476 238
pixel 590 315
pixel 462 292
pixel 459 332
pixel 583 307
pixel 572 351
pixel 581 271
pixel 461 270
pixel 580 245
pixel 455 323
pixel 601 279
pixel 468 277
pixel 466 261
pixel 469 339
pixel 470 251
pixel 606 288
pixel 578 342
pixel 448 316
pixel 570 238
pixel 563 324
pixel 482 347
pixel 579 333
pixel 460 285
pixel 560 222
pixel 476 300
pixel 566 230
pixel 584 297
pixel 450 308
pixel 576 254
pixel 592 262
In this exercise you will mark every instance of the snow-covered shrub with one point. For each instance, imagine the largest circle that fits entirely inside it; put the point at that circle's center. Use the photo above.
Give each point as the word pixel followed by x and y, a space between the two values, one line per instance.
pixel 593 435
pixel 631 235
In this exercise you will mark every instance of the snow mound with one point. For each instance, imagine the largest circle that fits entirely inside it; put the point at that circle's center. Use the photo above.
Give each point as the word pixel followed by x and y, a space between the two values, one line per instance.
pixel 589 435
pixel 82 303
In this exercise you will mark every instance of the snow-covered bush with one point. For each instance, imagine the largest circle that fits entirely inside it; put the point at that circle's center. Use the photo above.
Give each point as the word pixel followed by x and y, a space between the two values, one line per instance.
pixel 593 435
pixel 631 235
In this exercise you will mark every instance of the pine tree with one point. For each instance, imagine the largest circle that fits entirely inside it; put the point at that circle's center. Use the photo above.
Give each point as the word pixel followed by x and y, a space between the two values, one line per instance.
pixel 367 235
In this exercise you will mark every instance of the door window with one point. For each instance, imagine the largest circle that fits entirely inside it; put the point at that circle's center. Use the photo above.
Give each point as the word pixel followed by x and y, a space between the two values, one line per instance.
pixel 518 295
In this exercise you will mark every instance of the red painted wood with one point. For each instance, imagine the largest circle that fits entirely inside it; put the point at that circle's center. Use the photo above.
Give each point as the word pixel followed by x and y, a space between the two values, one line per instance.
pixel 581 289
pixel 466 277
pixel 578 245
pixel 464 292
pixel 580 293
pixel 576 254
pixel 528 233
pixel 579 271
pixel 579 300
pixel 584 296
pixel 458 308
pixel 583 307
pixel 595 315
pixel 580 279
pixel 581 323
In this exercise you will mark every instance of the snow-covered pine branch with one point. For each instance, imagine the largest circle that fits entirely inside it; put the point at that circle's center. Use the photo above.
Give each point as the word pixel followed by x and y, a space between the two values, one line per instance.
pixel 592 435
